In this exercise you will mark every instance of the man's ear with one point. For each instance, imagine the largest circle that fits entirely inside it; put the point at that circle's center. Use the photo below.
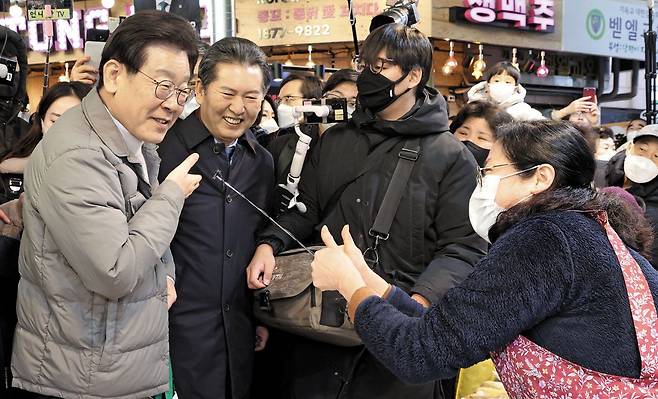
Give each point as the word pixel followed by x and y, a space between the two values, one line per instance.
pixel 113 72
pixel 415 76
pixel 199 92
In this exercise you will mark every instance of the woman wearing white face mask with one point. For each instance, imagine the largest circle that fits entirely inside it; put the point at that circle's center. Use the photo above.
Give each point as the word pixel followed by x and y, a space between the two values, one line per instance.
pixel 549 303
pixel 636 170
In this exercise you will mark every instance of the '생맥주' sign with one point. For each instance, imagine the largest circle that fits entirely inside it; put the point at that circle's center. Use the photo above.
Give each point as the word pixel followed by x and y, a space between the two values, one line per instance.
pixel 532 15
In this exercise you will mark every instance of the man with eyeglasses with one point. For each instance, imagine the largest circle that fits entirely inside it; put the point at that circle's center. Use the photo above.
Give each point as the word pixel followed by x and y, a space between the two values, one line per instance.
pixel 97 276
pixel 212 333
pixel 430 246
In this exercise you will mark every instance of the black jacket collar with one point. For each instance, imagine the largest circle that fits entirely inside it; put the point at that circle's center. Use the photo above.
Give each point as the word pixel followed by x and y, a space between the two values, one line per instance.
pixel 194 132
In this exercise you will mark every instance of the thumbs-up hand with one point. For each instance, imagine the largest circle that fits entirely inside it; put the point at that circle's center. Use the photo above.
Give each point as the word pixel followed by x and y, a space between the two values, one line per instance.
pixel 181 175
pixel 333 269
pixel 372 279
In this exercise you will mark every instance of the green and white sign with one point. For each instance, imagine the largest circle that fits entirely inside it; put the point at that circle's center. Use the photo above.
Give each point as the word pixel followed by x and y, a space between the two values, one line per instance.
pixel 611 28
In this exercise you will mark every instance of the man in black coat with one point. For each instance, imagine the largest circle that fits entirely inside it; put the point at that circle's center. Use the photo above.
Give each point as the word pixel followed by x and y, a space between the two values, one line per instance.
pixel 211 325
pixel 188 9
pixel 432 246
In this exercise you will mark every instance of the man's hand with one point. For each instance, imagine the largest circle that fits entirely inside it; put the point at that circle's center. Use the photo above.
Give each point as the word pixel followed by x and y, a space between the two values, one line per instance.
pixel 181 175
pixel 259 271
pixel 171 292
pixel 420 299
pixel 262 335
pixel 82 72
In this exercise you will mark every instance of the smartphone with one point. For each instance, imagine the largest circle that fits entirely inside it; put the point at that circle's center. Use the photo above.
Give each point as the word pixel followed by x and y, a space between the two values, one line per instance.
pixel 98 35
pixel 94 50
pixel 591 93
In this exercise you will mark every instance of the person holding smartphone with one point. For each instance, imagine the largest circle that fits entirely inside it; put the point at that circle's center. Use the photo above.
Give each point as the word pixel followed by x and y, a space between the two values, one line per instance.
pixel 584 110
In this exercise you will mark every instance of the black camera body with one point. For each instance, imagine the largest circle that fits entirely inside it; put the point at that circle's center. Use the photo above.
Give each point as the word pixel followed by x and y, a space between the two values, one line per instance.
pixel 404 12
pixel 325 110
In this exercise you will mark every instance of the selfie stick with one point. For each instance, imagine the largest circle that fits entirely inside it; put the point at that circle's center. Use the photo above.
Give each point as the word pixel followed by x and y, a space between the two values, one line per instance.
pixel 303 144
pixel 650 65
pixel 292 181
pixel 354 35
pixel 47 31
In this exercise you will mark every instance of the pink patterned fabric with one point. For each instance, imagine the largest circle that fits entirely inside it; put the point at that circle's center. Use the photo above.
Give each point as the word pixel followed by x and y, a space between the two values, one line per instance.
pixel 532 372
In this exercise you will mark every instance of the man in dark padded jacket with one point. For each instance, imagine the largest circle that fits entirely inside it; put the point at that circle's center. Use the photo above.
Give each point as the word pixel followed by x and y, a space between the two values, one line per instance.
pixel 431 247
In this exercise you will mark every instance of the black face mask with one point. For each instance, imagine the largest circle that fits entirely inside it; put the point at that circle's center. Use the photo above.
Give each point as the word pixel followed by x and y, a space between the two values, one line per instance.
pixel 376 92
pixel 478 152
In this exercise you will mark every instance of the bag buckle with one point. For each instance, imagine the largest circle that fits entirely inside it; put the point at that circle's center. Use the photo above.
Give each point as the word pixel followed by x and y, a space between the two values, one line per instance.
pixel 264 302
pixel 409 154
pixel 378 236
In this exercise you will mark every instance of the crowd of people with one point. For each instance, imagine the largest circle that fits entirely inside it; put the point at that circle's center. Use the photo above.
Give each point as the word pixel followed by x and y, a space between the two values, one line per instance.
pixel 131 241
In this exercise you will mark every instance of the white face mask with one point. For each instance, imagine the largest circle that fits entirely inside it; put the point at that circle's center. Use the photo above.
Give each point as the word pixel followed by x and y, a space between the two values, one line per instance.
pixel 501 92
pixel 640 169
pixel 286 115
pixel 631 134
pixel 189 108
pixel 269 125
pixel 483 210
pixel 350 111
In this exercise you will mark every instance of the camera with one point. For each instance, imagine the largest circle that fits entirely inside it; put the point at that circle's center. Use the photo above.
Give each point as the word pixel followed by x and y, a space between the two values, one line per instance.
pixel 402 12
pixel 325 110
pixel 7 71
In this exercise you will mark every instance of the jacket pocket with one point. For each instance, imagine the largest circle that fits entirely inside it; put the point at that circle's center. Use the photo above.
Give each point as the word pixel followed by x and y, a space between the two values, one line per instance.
pixel 133 203
pixel 108 351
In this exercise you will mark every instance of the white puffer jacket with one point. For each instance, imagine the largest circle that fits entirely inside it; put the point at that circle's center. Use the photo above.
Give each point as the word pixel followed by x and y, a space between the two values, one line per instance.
pixel 515 105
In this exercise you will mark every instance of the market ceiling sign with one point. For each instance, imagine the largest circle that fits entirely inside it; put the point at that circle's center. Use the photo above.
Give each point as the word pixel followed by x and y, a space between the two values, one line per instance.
pixel 530 15
pixel 609 28
pixel 289 22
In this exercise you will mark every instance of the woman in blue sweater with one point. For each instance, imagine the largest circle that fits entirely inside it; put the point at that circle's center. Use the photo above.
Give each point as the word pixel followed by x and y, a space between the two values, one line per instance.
pixel 551 292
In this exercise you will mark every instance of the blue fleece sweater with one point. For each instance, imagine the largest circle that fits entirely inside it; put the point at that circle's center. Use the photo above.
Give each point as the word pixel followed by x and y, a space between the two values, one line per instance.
pixel 553 278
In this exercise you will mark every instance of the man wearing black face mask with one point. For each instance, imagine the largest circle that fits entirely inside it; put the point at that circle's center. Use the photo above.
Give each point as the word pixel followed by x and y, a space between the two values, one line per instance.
pixel 431 245
pixel 13 92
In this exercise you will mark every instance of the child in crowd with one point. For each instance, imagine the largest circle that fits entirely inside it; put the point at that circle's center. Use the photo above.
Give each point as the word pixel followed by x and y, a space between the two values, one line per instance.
pixel 501 86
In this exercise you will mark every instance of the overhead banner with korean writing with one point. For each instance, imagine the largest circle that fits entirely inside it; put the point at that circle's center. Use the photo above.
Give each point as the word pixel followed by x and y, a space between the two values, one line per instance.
pixel 534 15
pixel 610 28
pixel 289 22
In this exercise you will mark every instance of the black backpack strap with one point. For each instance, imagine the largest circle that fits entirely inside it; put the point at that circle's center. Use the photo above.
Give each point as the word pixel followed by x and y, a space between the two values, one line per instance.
pixel 389 207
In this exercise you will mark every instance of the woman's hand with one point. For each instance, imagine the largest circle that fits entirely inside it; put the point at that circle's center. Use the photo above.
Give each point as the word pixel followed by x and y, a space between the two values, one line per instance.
pixel 583 105
pixel 372 279
pixel 334 270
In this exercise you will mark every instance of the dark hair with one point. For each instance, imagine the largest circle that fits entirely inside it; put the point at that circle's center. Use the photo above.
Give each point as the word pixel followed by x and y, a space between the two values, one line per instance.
pixel 202 47
pixel 589 134
pixel 129 42
pixel 636 119
pixel 311 85
pixel 234 50
pixel 559 144
pixel 493 114
pixel 501 68
pixel 26 145
pixel 407 46
pixel 272 103
pixel 605 133
pixel 338 77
